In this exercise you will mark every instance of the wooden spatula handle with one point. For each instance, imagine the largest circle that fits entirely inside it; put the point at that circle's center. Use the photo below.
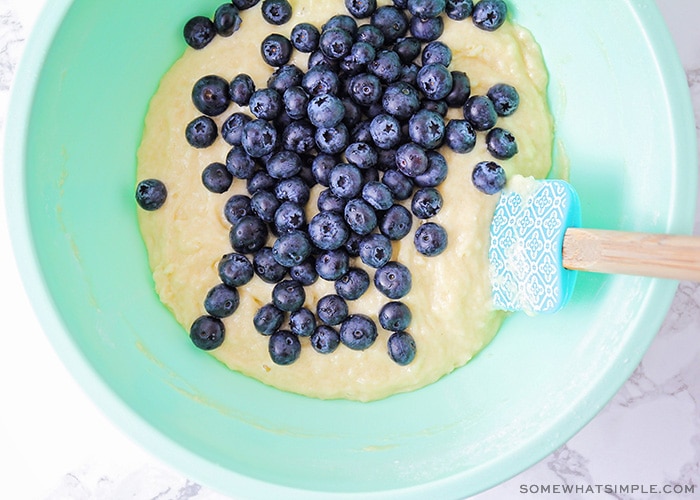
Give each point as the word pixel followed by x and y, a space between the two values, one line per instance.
pixel 642 254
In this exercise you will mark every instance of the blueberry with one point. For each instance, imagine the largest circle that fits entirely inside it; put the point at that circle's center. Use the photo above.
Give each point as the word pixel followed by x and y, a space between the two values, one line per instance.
pixel 284 78
pixel 352 244
pixel 276 12
pixel 461 90
pixel 396 222
pixel 289 217
pixel 460 136
pixel 377 195
pixel 298 137
pixel 386 66
pixel 343 22
pixel 328 202
pixel 239 164
pixel 221 301
pixel 345 180
pixel 480 112
pixel 207 332
pixel 201 132
pixel 198 32
pixel 235 269
pixel 371 35
pixel 325 339
pixel 385 131
pixel 288 295
pixel 395 316
pixel 427 129
pixel 210 95
pixel 400 185
pixel 488 177
pixel 331 309
pixel 283 165
pixel 295 100
pixel 393 280
pixel 440 107
pixel 302 322
pixel 361 133
pixel 320 80
pixel 237 207
pixel 332 140
pixel 358 332
pixel 436 172
pixel 352 284
pixel 245 4
pixel 375 250
pixel 266 104
pixel 284 347
pixel 305 273
pixel 276 50
pixel 391 21
pixel 259 138
pixel 325 110
pixel 365 89
pixel 291 249
pixel 430 239
pixel 318 58
pixel 260 180
pixel 332 264
pixel 435 80
pixel 232 128
pixel 248 235
pixel 505 98
pixel 361 54
pixel 353 113
pixel 335 43
pixel 361 154
pixel 408 49
pixel 361 9
pixel 401 348
pixel 411 159
pixel 241 88
pixel 459 9
pixel 501 143
pixel 151 194
pixel 216 178
pixel 427 30
pixel 328 230
pixel 293 189
pixel 268 319
pixel 304 37
pixel 489 15
pixel 426 203
pixel 360 216
pixel 436 52
pixel 226 19
pixel 401 100
pixel 425 8
pixel 321 166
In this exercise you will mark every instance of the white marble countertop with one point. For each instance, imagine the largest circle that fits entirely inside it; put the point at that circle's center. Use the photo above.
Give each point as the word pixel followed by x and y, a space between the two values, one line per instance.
pixel 55 444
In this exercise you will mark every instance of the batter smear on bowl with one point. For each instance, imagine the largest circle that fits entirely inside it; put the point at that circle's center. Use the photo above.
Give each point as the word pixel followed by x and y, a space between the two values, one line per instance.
pixel 316 188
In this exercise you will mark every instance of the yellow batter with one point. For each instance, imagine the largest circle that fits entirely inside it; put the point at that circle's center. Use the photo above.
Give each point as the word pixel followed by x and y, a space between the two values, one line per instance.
pixel 450 298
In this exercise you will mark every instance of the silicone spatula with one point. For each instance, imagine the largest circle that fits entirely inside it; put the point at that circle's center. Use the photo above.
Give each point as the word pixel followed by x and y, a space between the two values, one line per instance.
pixel 538 246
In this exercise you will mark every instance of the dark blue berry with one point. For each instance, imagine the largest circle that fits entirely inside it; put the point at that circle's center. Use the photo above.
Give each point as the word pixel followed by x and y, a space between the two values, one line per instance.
pixel 210 95
pixel 232 128
pixel 361 54
pixel 345 180
pixel 268 319
pixel 395 316
pixel 291 249
pixel 248 235
pixel 239 163
pixel 320 80
pixel 266 266
pixel 425 8
pixel 411 159
pixel 396 222
pixel 245 4
pixel 284 347
pixel 371 35
pixel 460 136
pixel 426 203
pixel 501 143
pixel 304 37
pixel 436 172
pixel 332 140
pixel 386 66
pixel 151 194
pixel 385 131
pixel 298 137
pixel 260 180
pixel 358 332
pixel 352 244
pixel 305 273
pixel 505 98
pixel 365 89
pixel 207 332
pixel 318 58
pixel 461 90
pixel 328 202
pixel 488 177
pixel 295 100
pixel 361 133
pixel 393 280
pixel 276 50
pixel 221 301
pixel 226 19
pixel 283 164
pixel 293 189
pixel 328 230
pixel 241 88
pixel 237 207
pixel 353 284
pixel 266 104
pixel 331 309
pixel 377 195
pixel 201 132
pixel 436 52
pixel 288 295
pixel 325 339
pixel 325 110
pixel 401 348
pixel 480 112
pixel 289 217
pixel 264 204
pixel 361 9
pixel 276 12
pixel 343 22
pixel 375 250
pixel 235 269
pixel 353 113
pixel 391 21
pixel 332 264
pixel 401 100
pixel 259 138
pixel 321 167
pixel 302 322
pixel 335 43
pixel 430 239
pixel 408 49
pixel 360 216
pixel 435 81
pixel 400 185
pixel 198 32
pixel 427 30
pixel 216 178
pixel 427 129
pixel 361 154
pixel 489 15
pixel 458 9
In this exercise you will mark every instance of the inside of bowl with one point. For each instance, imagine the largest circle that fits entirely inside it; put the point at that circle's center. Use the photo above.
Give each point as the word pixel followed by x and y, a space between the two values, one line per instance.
pixel 618 99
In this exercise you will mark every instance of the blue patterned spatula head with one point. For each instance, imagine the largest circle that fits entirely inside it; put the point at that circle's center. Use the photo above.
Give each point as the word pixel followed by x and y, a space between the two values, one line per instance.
pixel 525 254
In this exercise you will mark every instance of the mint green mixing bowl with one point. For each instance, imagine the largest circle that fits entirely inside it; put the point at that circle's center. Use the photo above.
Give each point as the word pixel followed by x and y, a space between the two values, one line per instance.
pixel 624 117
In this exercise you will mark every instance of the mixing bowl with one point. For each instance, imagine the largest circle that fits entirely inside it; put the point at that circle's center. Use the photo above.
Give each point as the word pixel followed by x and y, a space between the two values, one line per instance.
pixel 623 124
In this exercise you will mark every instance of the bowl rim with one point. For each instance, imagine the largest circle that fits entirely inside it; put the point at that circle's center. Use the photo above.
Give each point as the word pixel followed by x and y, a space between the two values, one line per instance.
pixel 22 94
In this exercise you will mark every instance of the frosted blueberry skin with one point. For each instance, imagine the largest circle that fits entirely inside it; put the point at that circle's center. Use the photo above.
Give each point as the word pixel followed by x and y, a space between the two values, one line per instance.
pixel 361 9
pixel 401 347
pixel 335 43
pixel 235 270
pixel 375 250
pixel 332 264
pixel 288 295
pixel 360 216
pixel 276 12
pixel 427 129
pixel 198 32
pixel 237 207
pixel 401 100
pixel 425 8
pixel 331 309
pixel 353 284
pixel 210 95
pixel 395 316
pixel 304 37
pixel 207 332
pixel 505 98
pixel 435 80
pixel 284 347
pixel 426 203
pixel 248 235
pixel 393 280
pixel 325 339
pixel 489 15
pixel 276 50
pixel 266 104
pixel 232 128
pixel 285 77
pixel 489 177
pixel 430 239
pixel 221 301
pixel 151 194
pixel 302 322
pixel 427 30
pixel 201 132
pixel 328 230
pixel 266 266
pixel 391 21
pixel 292 249
pixel 226 20
pixel 501 143
pixel 459 9
pixel 358 332
pixel 480 112
pixel 396 222
pixel 216 178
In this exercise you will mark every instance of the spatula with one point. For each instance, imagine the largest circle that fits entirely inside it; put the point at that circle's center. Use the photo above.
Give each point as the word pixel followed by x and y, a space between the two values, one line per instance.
pixel 537 247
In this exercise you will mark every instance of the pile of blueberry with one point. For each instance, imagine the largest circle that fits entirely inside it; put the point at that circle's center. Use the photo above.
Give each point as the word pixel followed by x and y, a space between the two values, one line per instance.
pixel 365 121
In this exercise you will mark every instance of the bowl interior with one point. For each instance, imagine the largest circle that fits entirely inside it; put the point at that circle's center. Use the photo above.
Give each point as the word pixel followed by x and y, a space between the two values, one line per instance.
pixel 621 107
